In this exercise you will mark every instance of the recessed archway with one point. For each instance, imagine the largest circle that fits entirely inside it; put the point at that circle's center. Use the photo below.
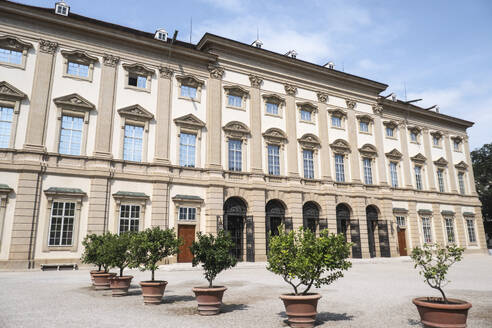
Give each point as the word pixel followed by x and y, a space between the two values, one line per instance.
pixel 310 215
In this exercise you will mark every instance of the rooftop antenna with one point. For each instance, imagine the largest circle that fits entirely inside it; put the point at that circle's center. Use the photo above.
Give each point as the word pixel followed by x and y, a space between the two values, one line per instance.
pixel 191 27
pixel 175 35
pixel 412 101
pixel 405 88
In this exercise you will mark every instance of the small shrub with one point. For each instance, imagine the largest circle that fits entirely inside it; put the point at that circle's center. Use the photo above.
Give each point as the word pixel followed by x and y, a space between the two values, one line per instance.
pixel 434 261
pixel 214 253
pixel 302 259
pixel 119 250
pixel 92 247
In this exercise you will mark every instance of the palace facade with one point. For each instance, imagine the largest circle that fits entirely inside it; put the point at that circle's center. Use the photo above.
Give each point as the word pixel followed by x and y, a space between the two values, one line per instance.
pixel 106 128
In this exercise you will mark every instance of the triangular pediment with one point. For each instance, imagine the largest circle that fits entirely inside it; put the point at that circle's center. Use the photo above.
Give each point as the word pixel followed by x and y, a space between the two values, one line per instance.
pixel 461 166
pixel 419 158
pixel 74 101
pixel 441 162
pixel 189 120
pixel 394 154
pixel 9 91
pixel 309 140
pixel 235 127
pixel 136 112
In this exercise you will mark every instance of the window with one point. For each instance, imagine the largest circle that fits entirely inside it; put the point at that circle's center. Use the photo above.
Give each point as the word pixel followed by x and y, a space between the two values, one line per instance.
pixel 418 177
pixel 449 229
pixel 390 132
pixel 336 121
pixel 10 56
pixel 132 143
pixel 187 213
pixel 61 9
pixel 305 115
pixel 413 136
pixel 470 225
pixel 187 146
pixel 234 101
pixel 456 145
pixel 129 218
pixel 308 158
pixel 274 159
pixel 235 155
pixel 440 180
pixel 138 81
pixel 188 91
pixel 426 228
pixel 6 116
pixel 461 182
pixel 61 224
pixel 400 221
pixel 364 126
pixel 70 135
pixel 339 168
pixel 272 108
pixel 77 69
pixel 394 174
pixel 435 141
pixel 367 162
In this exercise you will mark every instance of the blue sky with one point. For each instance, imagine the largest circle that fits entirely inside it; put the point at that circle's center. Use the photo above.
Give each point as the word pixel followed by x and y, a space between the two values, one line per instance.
pixel 440 50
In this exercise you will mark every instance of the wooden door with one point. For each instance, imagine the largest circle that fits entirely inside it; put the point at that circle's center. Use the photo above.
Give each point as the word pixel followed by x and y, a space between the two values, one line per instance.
pixel 187 233
pixel 402 242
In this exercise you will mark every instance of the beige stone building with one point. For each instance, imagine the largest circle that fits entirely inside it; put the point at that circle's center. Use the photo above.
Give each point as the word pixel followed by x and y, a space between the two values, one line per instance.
pixel 106 128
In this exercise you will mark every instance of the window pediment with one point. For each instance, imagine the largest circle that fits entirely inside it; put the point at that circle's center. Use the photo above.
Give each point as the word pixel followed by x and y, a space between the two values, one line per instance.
pixel 394 155
pixel 461 166
pixel 310 107
pixel 436 134
pixel 79 56
pixel 414 129
pixel 236 128
pixel 190 121
pixel 64 192
pixel 275 135
pixel 236 90
pixel 337 112
pixel 340 146
pixel 9 91
pixel 190 80
pixel 130 195
pixel 138 69
pixel 364 118
pixel 75 102
pixel 14 43
pixel 419 158
pixel 391 124
pixel 310 141
pixel 368 150
pixel 273 98
pixel 441 162
pixel 136 112
pixel 457 139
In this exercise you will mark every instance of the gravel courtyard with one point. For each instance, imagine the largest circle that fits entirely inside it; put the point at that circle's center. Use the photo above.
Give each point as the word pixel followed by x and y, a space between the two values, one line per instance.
pixel 374 293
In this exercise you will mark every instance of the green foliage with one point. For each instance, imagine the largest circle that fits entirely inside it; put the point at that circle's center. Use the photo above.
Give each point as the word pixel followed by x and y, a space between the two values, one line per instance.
pixel 214 253
pixel 104 253
pixel 482 169
pixel 118 247
pixel 92 247
pixel 151 246
pixel 434 261
pixel 303 259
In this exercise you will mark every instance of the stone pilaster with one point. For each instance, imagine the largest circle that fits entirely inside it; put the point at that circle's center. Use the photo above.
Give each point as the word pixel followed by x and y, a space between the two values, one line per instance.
pixel 429 163
pixel 257 210
pixel 352 139
pixel 471 175
pixel 460 225
pixel 449 158
pixel 412 223
pixel 438 223
pixel 160 205
pixel 214 117
pixel 105 109
pixel 480 231
pixel 255 124
pixel 359 213
pixel 323 135
pixel 291 122
pixel 379 130
pixel 98 206
pixel 214 208
pixel 294 207
pixel 40 97
pixel 406 158
pixel 387 214
pixel 163 115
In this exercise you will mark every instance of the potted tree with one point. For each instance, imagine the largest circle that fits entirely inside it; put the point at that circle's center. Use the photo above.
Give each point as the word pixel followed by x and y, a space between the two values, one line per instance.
pixel 304 260
pixel 147 248
pixel 101 279
pixel 118 248
pixel 434 261
pixel 214 253
pixel 91 244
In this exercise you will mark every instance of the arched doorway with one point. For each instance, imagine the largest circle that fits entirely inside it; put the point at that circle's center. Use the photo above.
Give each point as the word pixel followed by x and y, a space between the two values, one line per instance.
pixel 349 227
pixel 310 216
pixel 372 224
pixel 343 219
pixel 274 217
pixel 234 218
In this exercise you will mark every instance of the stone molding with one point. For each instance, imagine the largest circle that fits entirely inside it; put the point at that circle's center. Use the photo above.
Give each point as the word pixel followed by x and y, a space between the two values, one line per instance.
pixel 351 103
pixel 309 141
pixel 190 121
pixel 368 150
pixel 10 92
pixel 255 81
pixel 166 72
pixel 308 106
pixel 235 129
pixel 190 80
pixel 13 43
pixel 216 71
pixel 441 162
pixel 340 146
pixel 419 158
pixel 273 98
pixel 377 109
pixel 74 101
pixel 275 135
pixel 138 68
pixel 110 60
pixel 48 47
pixel 79 56
pixel 394 155
pixel 136 112
pixel 322 96
pixel 290 89
pixel 337 112
pixel 236 90
pixel 365 118
pixel 461 166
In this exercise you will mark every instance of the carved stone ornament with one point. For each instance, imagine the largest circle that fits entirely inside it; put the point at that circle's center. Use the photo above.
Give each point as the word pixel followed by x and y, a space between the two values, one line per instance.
pixel 457 139
pixel 340 146
pixel 307 106
pixel 436 134
pixel 290 89
pixel 48 47
pixel 337 112
pixel 236 129
pixel 441 162
pixel 255 80
pixel 322 96
pixel 236 90
pixel 461 166
pixel 74 101
pixel 275 135
pixel 350 103
pixel 414 129
pixel 110 60
pixel 390 124
pixel 402 124
pixel 79 56
pixel 13 43
pixel 138 69
pixel 273 98
pixel 419 158
pixel 216 71
pixel 309 141
pixel 10 92
pixel 190 121
pixel 368 150
pixel 377 109
pixel 166 72
pixel 394 155
pixel 136 112
pixel 364 118
pixel 190 80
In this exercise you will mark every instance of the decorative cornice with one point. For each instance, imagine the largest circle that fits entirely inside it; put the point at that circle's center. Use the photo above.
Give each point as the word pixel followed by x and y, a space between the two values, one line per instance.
pixel 138 69
pixel 368 150
pixel 236 90
pixel 419 158
pixel 79 56
pixel 48 47
pixel 166 72
pixel 340 146
pixel 9 91
pixel 441 162
pixel 255 80
pixel 216 71
pixel 309 141
pixel 275 135
pixel 350 103
pixel 461 166
pixel 337 111
pixel 394 155
pixel 322 96
pixel 377 109
pixel 110 60
pixel 390 124
pixel 290 89
pixel 74 101
pixel 14 43
pixel 457 138
pixel 364 118
pixel 274 98
pixel 402 124
pixel 306 105
pixel 436 134
pixel 190 80
pixel 136 112
pixel 189 120
pixel 235 128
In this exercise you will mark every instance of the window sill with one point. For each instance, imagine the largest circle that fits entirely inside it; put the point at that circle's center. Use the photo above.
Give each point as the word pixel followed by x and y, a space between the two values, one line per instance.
pixel 366 133
pixel 438 147
pixel 415 142
pixel 19 66
pixel 194 100
pixel 236 108
pixel 187 222
pixel 61 249
pixel 391 138
pixel 273 115
pixel 78 78
pixel 337 128
pixel 307 122
pixel 131 87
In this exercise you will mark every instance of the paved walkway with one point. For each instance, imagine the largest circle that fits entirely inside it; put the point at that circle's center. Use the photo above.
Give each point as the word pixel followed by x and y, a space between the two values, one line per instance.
pixel 374 293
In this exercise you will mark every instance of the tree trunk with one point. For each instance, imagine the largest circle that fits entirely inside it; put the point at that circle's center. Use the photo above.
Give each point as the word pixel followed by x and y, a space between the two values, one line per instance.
pixel 121 272
pixel 152 275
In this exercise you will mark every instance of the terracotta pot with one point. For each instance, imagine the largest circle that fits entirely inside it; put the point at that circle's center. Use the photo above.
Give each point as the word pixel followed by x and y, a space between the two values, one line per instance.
pixel 153 291
pixel 301 309
pixel 92 274
pixel 119 285
pixel 101 280
pixel 209 299
pixel 452 315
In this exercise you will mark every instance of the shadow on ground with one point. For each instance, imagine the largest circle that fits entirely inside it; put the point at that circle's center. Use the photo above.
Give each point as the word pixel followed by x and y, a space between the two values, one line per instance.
pixel 323 317
pixel 176 298
pixel 413 322
pixel 226 308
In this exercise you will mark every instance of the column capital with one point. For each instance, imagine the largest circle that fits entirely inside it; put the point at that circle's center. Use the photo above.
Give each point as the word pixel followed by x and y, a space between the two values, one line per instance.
pixel 290 89
pixel 322 96
pixel 166 72
pixel 377 109
pixel 110 60
pixel 350 103
pixel 216 71
pixel 255 80
pixel 48 47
